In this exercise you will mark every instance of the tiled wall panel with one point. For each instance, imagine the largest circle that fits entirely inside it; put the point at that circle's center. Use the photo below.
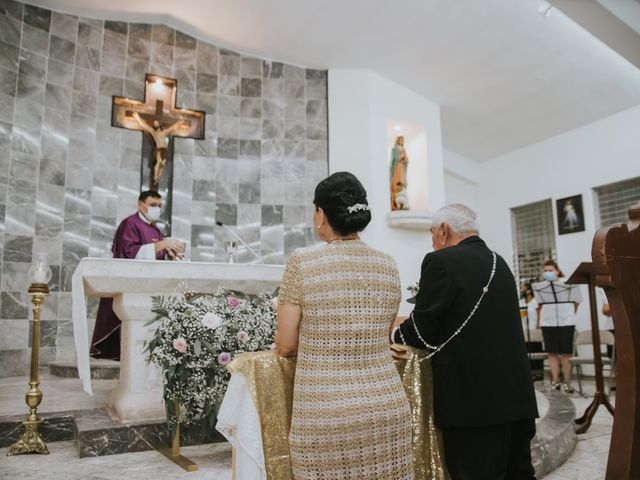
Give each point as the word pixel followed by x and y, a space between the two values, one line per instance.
pixel 67 177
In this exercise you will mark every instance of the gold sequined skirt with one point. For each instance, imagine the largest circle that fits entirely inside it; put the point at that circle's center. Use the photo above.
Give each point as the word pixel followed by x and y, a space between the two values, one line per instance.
pixel 270 380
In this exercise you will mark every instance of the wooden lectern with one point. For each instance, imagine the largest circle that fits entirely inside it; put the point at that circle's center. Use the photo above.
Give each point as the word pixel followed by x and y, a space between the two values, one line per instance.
pixel 585 274
pixel 616 261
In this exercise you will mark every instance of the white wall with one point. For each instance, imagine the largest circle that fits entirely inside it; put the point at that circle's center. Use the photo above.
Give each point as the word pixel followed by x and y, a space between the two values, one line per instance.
pixel 461 177
pixel 460 190
pixel 361 103
pixel 569 164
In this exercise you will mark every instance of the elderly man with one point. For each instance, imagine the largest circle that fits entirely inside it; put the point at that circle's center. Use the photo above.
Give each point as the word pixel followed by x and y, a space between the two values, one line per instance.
pixel 137 237
pixel 467 313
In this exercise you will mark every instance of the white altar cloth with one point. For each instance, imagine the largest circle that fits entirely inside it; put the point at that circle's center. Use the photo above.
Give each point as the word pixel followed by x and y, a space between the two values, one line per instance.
pixel 239 423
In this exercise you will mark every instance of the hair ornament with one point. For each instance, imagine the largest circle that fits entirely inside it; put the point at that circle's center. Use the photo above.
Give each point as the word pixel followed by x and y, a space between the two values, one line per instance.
pixel 357 207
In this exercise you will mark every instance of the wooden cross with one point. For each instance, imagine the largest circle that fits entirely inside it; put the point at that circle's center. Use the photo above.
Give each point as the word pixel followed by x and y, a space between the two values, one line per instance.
pixel 160 121
pixel 158 117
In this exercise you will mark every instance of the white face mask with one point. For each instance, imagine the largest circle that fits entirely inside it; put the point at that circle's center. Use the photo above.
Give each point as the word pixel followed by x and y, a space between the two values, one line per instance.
pixel 153 214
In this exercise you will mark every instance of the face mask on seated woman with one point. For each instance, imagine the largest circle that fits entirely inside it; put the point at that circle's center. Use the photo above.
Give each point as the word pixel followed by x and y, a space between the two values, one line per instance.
pixel 550 276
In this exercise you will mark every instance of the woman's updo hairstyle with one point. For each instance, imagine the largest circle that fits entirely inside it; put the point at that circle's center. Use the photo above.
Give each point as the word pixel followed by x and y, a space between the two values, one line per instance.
pixel 335 194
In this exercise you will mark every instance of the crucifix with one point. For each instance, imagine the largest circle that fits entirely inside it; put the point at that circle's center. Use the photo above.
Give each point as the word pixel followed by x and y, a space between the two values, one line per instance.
pixel 160 121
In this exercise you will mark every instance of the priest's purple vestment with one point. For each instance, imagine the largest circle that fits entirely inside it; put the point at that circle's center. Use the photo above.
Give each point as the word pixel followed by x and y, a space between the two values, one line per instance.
pixel 132 233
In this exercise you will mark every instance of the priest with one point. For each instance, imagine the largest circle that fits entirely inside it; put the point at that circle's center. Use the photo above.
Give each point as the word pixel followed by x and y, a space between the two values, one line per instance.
pixel 137 237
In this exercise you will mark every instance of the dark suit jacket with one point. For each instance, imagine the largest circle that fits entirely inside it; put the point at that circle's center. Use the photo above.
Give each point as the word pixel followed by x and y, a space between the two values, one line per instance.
pixel 482 377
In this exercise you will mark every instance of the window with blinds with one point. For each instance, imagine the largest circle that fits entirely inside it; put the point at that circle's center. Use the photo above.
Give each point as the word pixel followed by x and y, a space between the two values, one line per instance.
pixel 533 239
pixel 613 201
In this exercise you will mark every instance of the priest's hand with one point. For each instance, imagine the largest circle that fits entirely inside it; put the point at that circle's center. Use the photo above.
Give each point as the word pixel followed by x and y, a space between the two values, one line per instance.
pixel 169 244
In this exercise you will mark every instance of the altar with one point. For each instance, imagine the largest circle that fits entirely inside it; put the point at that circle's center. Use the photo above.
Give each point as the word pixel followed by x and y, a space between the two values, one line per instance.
pixel 132 284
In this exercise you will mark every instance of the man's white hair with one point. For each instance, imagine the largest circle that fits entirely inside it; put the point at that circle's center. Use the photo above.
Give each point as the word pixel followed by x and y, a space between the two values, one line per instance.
pixel 460 218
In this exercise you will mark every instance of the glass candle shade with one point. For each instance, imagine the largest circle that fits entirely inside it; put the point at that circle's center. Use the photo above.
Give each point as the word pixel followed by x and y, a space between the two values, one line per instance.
pixel 40 272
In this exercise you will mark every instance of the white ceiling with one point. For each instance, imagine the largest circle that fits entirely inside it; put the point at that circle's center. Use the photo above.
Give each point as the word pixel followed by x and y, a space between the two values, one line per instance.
pixel 505 75
pixel 626 10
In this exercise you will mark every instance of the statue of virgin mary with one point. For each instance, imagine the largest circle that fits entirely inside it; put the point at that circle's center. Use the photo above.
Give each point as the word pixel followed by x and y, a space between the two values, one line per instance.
pixel 398 175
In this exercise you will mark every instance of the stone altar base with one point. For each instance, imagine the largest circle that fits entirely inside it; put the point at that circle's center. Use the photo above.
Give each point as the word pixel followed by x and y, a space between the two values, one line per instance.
pixel 100 369
pixel 69 414
pixel 97 434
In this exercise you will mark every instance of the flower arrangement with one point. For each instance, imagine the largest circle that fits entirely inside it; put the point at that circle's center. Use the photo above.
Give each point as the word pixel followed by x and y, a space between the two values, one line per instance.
pixel 197 336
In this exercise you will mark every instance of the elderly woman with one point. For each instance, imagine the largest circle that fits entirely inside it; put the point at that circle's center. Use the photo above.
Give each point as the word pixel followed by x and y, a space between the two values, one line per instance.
pixel 351 418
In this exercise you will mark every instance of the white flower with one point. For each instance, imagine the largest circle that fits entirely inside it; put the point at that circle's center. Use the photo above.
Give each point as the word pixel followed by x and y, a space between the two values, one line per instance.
pixel 211 320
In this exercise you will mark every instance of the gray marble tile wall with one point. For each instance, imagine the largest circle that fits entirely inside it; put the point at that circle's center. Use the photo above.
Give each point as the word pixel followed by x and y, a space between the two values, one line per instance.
pixel 67 177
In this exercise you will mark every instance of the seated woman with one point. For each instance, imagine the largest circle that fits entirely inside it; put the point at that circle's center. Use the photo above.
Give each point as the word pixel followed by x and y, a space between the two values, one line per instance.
pixel 351 418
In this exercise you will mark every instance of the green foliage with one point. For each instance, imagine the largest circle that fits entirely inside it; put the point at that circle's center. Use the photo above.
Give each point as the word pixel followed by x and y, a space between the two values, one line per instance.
pixel 197 335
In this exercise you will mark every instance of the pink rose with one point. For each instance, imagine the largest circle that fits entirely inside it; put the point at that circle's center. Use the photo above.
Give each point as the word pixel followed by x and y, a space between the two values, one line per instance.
pixel 180 344
pixel 224 358
pixel 233 302
pixel 242 336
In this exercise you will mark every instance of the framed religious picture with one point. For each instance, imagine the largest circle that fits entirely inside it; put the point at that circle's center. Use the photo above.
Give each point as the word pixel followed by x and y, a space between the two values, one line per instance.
pixel 570 215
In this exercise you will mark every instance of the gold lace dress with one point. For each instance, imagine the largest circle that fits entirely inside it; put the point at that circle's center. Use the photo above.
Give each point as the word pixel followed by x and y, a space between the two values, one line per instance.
pixel 351 418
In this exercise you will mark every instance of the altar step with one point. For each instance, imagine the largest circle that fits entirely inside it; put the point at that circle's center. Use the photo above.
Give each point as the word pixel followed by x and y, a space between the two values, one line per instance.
pixel 555 436
pixel 100 369
pixel 97 434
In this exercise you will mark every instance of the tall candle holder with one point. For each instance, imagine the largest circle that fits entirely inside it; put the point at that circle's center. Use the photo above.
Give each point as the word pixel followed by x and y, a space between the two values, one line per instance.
pixel 31 441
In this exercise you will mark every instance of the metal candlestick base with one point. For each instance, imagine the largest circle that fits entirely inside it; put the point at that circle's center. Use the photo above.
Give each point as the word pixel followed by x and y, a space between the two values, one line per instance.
pixel 31 441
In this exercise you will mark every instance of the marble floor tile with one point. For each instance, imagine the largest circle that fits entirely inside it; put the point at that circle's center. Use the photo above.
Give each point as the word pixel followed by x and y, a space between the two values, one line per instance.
pixel 589 459
pixel 213 460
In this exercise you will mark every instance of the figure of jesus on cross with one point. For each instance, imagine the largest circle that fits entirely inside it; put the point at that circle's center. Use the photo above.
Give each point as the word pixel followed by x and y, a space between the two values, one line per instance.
pixel 160 137
pixel 161 121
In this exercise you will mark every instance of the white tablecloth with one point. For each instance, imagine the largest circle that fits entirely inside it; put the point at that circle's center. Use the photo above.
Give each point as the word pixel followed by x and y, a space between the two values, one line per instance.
pixel 238 421
pixel 79 315
pixel 80 330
